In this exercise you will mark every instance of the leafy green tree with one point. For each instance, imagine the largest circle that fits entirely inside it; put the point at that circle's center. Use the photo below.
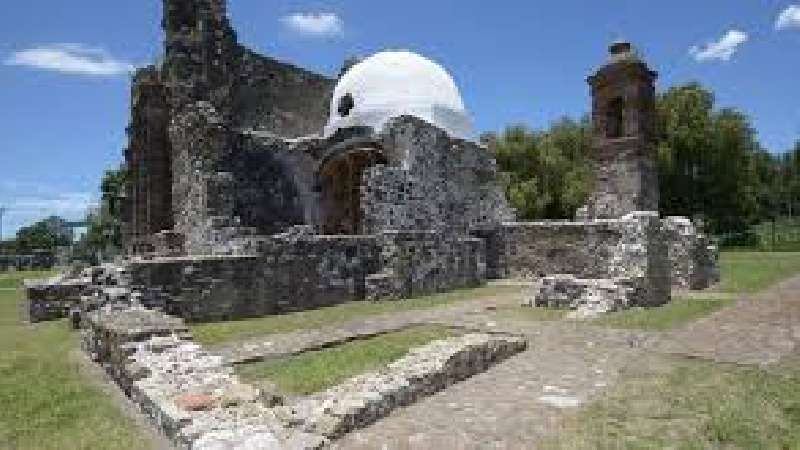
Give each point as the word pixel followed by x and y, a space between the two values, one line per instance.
pixel 44 235
pixel 104 234
pixel 709 160
pixel 546 174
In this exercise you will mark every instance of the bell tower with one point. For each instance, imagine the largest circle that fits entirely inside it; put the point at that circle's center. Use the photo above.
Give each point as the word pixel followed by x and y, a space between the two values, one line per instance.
pixel 623 136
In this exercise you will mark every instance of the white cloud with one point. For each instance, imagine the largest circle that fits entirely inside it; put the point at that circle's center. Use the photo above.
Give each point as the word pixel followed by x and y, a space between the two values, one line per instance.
pixel 722 50
pixel 74 59
pixel 314 24
pixel 788 18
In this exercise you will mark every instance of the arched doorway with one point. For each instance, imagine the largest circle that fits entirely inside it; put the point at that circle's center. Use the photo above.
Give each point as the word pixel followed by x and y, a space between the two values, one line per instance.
pixel 340 178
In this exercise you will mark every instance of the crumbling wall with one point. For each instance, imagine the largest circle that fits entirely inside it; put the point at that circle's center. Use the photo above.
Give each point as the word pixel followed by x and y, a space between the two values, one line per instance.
pixel 278 97
pixel 288 274
pixel 148 205
pixel 417 263
pixel 433 182
pixel 693 257
pixel 536 249
pixel 629 251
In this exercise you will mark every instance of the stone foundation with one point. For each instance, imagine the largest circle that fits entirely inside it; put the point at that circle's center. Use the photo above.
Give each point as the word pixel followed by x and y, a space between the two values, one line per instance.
pixel 198 402
pixel 367 398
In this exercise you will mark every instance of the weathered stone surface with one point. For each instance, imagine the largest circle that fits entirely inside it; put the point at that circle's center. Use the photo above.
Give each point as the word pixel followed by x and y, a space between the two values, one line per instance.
pixel 589 297
pixel 366 398
pixel 693 257
pixel 623 137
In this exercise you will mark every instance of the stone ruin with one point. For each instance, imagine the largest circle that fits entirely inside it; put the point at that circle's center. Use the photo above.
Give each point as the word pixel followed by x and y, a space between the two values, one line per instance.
pixel 260 188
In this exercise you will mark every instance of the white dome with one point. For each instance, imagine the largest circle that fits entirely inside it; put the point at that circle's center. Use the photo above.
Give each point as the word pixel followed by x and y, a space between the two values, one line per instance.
pixel 395 83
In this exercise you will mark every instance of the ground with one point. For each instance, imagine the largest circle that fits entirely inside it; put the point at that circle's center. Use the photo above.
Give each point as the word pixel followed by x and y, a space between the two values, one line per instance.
pixel 712 370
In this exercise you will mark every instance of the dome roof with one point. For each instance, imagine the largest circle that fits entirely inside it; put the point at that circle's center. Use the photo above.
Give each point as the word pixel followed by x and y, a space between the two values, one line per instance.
pixel 395 83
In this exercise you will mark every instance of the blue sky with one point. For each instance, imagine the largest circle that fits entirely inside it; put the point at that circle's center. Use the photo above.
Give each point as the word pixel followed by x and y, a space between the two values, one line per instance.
pixel 64 84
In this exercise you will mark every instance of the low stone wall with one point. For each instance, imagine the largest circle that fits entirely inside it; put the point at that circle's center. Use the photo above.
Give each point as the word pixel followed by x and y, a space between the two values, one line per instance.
pixel 537 249
pixel 52 299
pixel 597 265
pixel 366 398
pixel 423 262
pixel 199 403
pixel 286 275
pixel 188 393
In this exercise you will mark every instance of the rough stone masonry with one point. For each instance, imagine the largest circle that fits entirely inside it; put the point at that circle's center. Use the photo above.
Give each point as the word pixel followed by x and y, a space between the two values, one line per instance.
pixel 254 191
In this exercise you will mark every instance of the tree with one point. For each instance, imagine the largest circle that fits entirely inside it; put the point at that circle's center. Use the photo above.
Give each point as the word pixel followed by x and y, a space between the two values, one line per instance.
pixel 709 161
pixel 45 235
pixel 104 235
pixel 546 174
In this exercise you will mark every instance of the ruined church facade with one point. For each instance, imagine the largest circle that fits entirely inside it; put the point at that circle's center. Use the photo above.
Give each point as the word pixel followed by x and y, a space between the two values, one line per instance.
pixel 257 187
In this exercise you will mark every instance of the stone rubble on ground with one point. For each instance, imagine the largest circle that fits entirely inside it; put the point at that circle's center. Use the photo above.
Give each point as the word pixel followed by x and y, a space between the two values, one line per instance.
pixel 195 398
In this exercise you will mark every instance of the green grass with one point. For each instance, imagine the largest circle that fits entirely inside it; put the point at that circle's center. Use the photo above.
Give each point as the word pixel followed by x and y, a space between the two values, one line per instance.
pixel 691 404
pixel 45 401
pixel 741 272
pixel 677 312
pixel 754 271
pixel 532 314
pixel 9 280
pixel 223 332
pixel 316 371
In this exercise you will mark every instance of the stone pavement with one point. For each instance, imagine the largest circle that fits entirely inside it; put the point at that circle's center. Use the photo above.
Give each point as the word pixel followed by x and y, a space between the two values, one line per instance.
pixel 759 329
pixel 568 364
pixel 515 404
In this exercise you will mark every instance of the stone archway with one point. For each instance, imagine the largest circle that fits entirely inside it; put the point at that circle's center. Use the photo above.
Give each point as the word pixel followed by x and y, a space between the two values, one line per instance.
pixel 340 178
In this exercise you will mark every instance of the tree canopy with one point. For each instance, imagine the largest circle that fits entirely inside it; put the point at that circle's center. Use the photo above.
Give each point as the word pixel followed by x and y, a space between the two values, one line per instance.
pixel 710 165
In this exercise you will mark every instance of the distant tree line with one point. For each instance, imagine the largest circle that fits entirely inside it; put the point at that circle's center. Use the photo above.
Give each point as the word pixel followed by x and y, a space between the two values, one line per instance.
pixel 710 163
pixel 103 236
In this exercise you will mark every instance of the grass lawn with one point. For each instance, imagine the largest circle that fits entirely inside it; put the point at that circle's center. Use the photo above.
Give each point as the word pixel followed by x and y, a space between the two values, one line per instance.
pixel 14 279
pixel 533 314
pixel 754 271
pixel 316 371
pixel 691 404
pixel 45 402
pixel 741 272
pixel 222 332
pixel 677 312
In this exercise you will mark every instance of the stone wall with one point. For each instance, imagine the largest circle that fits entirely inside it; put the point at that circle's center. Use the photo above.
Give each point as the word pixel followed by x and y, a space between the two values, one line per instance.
pixel 631 250
pixel 147 208
pixel 278 97
pixel 693 257
pixel 416 263
pixel 432 182
pixel 286 275
pixel 206 94
pixel 196 400
pixel 536 249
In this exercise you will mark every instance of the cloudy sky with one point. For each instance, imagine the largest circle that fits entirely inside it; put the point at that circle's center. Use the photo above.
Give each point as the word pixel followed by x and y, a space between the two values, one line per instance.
pixel 64 67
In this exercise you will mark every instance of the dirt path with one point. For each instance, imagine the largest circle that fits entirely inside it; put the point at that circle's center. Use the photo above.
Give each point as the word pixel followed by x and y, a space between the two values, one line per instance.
pixel 759 329
pixel 522 400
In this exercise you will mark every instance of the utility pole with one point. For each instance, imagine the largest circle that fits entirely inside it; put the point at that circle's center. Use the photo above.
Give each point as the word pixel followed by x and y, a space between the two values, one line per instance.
pixel 3 211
